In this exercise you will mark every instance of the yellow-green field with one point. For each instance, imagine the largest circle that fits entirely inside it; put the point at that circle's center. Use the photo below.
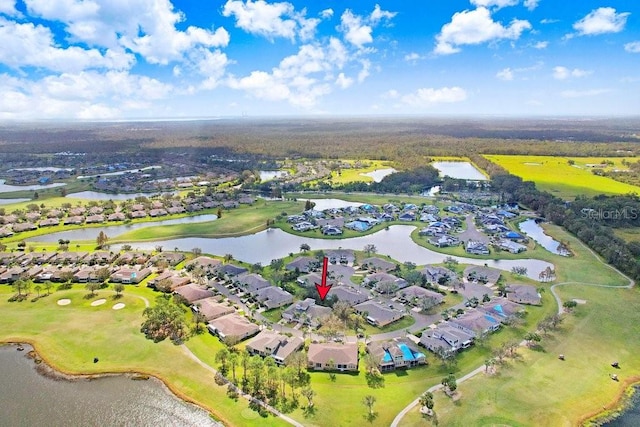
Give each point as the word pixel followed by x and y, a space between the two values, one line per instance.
pixel 556 175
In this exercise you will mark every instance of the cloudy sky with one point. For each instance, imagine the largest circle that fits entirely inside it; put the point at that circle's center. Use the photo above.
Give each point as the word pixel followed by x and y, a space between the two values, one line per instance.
pixel 120 59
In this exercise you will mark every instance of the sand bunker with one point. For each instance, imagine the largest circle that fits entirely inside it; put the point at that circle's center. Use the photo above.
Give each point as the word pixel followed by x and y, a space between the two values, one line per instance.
pixel 580 301
pixel 64 301
pixel 98 302
pixel 533 164
pixel 118 306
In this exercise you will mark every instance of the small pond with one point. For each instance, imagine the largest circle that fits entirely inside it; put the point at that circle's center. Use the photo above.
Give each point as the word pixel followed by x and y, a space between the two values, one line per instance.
pixel 533 230
pixel 459 170
pixel 379 174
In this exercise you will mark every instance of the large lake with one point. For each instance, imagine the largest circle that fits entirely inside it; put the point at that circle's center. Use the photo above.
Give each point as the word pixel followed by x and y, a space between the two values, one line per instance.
pixel 631 416
pixel 6 188
pixel 459 170
pixel 264 246
pixel 30 399
pixel 111 231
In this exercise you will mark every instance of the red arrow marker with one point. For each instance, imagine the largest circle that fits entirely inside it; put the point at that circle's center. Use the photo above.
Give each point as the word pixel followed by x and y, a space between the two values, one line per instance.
pixel 323 289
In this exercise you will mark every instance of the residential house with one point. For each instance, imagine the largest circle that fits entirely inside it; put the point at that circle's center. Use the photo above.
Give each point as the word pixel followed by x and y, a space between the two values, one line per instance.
pixel 192 292
pixel 11 274
pixel 377 314
pixel 415 294
pixel 172 278
pixel 342 256
pixel 251 283
pixel 487 275
pixel 511 246
pixel 208 264
pixel 331 230
pixel 524 294
pixel 172 258
pixel 73 220
pixel 348 294
pixel 378 264
pixel 439 275
pixel 385 283
pixel 49 222
pixel 396 354
pixel 116 216
pixel 476 321
pixel 69 257
pixel 211 309
pixel 447 338
pixel 333 356
pixel 88 274
pixel 502 309
pixel 477 248
pixel 311 279
pixel 129 275
pixel 303 264
pixel 230 270
pixel 232 328
pixel 100 257
pixel 24 226
pixel 273 297
pixel 271 343
pixel 306 312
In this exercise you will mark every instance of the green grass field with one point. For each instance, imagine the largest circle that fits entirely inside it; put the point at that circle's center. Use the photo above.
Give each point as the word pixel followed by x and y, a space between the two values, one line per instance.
pixel 69 337
pixel 556 175
pixel 352 175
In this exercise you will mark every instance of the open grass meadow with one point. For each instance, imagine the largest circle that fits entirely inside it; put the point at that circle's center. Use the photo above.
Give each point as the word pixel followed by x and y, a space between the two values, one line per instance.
pixel 556 175
pixel 538 389
pixel 353 174
pixel 69 337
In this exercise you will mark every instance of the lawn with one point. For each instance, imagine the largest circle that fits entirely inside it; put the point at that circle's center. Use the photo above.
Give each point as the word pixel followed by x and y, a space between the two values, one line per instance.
pixel 556 175
pixel 541 390
pixel 235 222
pixel 351 175
pixel 70 337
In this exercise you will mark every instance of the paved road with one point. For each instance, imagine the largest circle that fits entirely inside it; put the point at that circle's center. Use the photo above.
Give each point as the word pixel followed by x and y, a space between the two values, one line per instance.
pixel 471 232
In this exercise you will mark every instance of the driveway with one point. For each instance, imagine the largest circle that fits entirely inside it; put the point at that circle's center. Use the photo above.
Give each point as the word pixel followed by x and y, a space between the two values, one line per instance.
pixel 471 232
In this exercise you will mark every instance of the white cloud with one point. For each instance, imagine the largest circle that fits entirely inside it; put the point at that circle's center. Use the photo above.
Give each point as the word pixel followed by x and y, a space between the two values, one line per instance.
pixel 563 73
pixel 633 47
pixel 378 15
pixel 343 82
pixel 531 4
pixel 84 95
pixel 358 30
pixel 391 94
pixel 298 79
pixel 601 21
pixel 541 45
pixel 583 93
pixel 271 20
pixel 497 3
pixel 364 71
pixel 326 14
pixel 146 27
pixel 8 7
pixel 32 45
pixel 412 57
pixel 506 74
pixel 429 97
pixel 355 31
pixel 475 27
pixel 547 21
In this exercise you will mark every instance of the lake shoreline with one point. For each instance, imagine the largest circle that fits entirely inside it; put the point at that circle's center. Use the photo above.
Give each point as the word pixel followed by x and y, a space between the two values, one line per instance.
pixel 617 407
pixel 46 368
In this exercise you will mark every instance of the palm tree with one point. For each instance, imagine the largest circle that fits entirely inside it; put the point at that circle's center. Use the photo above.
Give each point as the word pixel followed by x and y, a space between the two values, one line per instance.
pixel 233 361
pixel 228 258
pixel 369 401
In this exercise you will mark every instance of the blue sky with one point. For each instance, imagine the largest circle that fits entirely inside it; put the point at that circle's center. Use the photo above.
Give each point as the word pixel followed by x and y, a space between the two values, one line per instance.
pixel 122 59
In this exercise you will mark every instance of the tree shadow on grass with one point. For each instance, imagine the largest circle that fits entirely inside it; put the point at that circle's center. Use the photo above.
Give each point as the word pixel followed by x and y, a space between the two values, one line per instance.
pixel 371 416
pixel 309 411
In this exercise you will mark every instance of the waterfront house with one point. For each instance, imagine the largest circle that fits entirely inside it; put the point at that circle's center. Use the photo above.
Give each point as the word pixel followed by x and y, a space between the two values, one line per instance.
pixel 378 264
pixel 523 294
pixel 487 275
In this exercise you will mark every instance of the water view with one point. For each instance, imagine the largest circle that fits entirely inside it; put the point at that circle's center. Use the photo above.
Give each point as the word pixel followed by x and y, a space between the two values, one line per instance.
pixel 322 204
pixel 631 416
pixel 533 230
pixel 96 195
pixel 394 242
pixel 90 233
pixel 270 175
pixel 11 201
pixel 6 188
pixel 379 174
pixel 30 399
pixel 459 170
